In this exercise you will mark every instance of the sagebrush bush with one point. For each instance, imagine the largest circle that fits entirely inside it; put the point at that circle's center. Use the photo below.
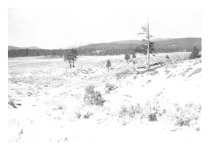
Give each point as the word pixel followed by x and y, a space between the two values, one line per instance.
pixel 87 115
pixel 167 57
pixel 133 55
pixel 93 97
pixel 11 103
pixel 153 110
pixel 108 64
pixel 187 114
pixel 195 53
pixel 132 112
pixel 127 57
pixel 109 87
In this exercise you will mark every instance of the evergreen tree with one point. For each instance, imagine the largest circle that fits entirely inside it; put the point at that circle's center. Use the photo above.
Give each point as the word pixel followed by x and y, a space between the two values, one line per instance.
pixel 108 64
pixel 127 57
pixel 167 57
pixel 195 53
pixel 133 55
pixel 71 57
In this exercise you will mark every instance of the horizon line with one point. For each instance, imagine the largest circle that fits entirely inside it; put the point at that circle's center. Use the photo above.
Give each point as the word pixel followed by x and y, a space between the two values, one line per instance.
pixel 89 43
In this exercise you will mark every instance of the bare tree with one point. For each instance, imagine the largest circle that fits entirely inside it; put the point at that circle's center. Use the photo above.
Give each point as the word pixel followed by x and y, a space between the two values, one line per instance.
pixel 146 33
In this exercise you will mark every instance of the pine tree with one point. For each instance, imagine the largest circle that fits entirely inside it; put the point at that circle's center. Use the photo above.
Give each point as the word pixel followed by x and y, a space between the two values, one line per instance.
pixel 108 64
pixel 127 57
pixel 195 53
pixel 71 57
pixel 133 55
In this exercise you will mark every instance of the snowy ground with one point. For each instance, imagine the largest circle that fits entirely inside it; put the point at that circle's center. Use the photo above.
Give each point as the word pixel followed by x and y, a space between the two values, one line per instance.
pixel 48 106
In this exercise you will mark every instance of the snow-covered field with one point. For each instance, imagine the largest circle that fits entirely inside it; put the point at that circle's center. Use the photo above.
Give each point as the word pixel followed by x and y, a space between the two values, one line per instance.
pixel 141 108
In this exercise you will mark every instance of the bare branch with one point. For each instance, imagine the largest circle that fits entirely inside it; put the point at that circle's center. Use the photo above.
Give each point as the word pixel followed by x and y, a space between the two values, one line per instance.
pixel 144 29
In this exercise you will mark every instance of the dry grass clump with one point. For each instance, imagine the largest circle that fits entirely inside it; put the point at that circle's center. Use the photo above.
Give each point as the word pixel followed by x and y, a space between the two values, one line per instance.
pixel 109 87
pixel 153 110
pixel 186 115
pixel 177 115
pixel 131 111
pixel 93 97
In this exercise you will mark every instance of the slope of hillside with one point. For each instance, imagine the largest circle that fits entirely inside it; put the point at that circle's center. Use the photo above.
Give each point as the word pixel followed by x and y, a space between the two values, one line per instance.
pixel 47 101
pixel 181 44
pixel 128 42
pixel 13 48
pixel 18 48
pixel 112 48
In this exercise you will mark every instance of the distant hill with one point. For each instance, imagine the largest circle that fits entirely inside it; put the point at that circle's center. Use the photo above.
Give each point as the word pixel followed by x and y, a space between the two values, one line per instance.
pixel 76 45
pixel 176 45
pixel 13 48
pixel 18 48
pixel 112 48
pixel 128 46
pixel 138 41
pixel 128 42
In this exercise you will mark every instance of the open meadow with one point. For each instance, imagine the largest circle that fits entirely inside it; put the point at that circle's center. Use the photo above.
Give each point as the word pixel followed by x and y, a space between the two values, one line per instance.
pixel 49 102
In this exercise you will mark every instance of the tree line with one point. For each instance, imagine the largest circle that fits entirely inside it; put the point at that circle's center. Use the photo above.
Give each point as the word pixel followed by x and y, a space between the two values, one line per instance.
pixel 91 52
pixel 36 52
pixel 61 52
pixel 165 46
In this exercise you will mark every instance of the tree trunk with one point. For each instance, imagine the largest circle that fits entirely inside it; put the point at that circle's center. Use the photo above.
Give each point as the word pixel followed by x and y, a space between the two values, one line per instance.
pixel 147 65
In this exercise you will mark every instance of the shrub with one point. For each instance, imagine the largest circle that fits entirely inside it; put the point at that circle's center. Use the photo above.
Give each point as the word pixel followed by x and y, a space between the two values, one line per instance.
pixel 195 53
pixel 167 57
pixel 71 57
pixel 11 102
pixel 87 115
pixel 78 115
pixel 131 112
pixel 127 57
pixel 152 117
pixel 133 55
pixel 109 87
pixel 93 97
pixel 108 64
pixel 152 110
pixel 186 115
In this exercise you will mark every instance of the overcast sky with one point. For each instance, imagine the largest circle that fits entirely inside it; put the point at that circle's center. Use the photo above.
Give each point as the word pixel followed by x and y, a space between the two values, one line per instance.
pixel 60 28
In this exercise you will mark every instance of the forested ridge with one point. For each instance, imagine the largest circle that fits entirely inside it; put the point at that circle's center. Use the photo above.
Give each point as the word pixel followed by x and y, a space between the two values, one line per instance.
pixel 112 48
